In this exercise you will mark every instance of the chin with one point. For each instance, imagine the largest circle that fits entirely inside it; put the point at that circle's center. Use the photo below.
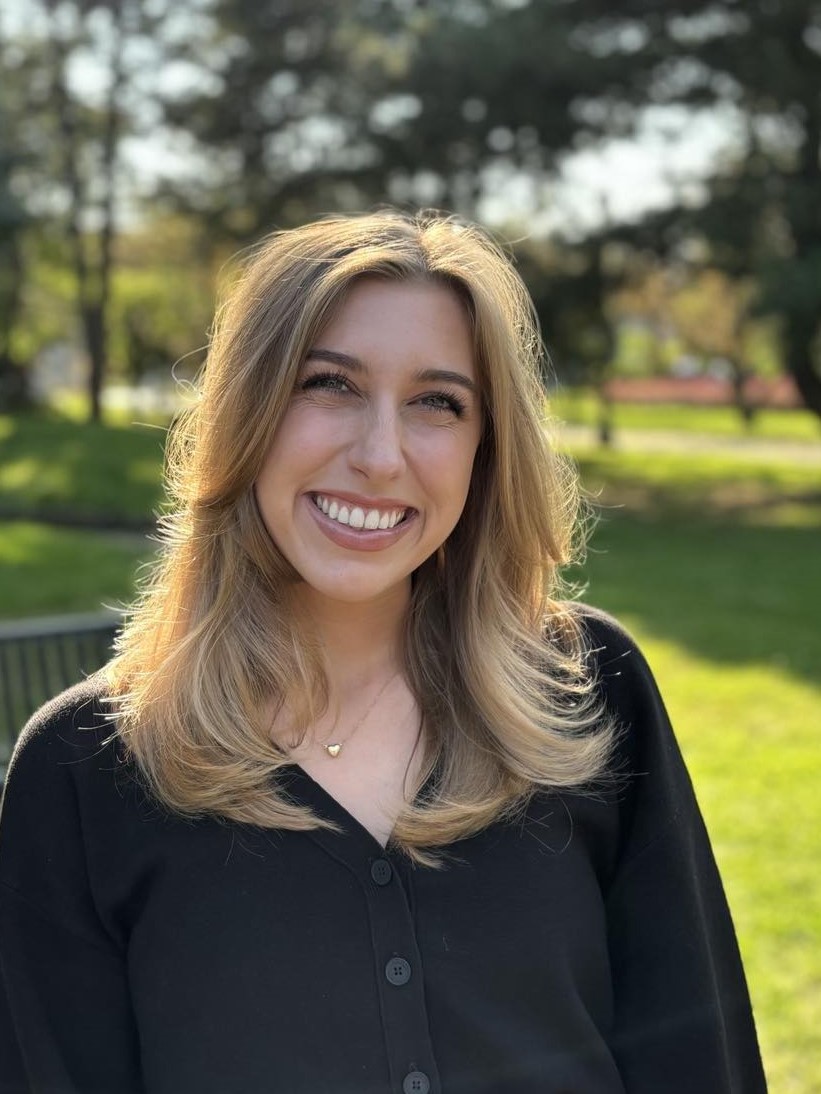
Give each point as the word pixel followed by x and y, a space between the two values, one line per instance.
pixel 356 593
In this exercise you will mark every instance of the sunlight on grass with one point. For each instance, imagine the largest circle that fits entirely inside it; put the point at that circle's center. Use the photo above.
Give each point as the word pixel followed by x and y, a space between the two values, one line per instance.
pixel 29 475
pixel 581 406
pixel 47 571
pixel 57 466
pixel 698 482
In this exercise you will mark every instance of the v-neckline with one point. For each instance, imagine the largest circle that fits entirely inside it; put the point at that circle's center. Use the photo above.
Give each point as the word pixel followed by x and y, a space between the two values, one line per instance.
pixel 313 793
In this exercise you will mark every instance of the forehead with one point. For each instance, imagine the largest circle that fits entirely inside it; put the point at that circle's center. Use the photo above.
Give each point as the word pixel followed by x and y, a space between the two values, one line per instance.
pixel 414 319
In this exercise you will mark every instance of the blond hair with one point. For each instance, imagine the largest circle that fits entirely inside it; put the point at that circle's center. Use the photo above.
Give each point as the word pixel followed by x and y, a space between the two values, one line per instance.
pixel 496 662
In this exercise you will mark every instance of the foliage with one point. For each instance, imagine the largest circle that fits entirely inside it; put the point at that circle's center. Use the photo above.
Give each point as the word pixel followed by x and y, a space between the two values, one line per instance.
pixel 755 213
pixel 699 312
pixel 69 134
pixel 283 110
pixel 13 221
pixel 504 87
pixel 162 300
pixel 280 124
pixel 568 286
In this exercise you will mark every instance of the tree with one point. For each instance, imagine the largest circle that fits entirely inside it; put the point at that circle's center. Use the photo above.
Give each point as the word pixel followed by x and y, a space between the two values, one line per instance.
pixel 279 114
pixel 72 137
pixel 13 221
pixel 314 106
pixel 507 86
pixel 755 209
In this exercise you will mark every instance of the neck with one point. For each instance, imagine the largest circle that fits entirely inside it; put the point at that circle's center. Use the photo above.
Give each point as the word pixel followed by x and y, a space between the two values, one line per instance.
pixel 361 642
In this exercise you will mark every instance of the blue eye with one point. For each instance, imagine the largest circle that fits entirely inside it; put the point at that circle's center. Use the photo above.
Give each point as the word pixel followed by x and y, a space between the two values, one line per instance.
pixel 326 381
pixel 442 400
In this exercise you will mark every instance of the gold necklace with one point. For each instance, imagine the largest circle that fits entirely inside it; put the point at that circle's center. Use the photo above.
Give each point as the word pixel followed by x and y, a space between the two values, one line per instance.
pixel 333 748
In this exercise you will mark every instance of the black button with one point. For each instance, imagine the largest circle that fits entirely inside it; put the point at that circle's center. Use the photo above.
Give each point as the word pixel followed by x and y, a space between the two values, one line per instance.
pixel 381 871
pixel 416 1082
pixel 398 971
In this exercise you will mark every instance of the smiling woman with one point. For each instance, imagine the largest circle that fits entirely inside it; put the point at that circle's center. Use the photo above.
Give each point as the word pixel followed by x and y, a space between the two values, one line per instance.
pixel 362 805
pixel 387 441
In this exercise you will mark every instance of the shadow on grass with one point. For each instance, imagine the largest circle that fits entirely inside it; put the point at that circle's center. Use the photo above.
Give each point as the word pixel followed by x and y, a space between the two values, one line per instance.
pixel 734 594
pixel 57 470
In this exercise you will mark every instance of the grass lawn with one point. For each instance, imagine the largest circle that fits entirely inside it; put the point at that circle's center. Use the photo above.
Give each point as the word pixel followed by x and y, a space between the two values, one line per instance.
pixel 696 484
pixel 49 571
pixel 581 406
pixel 55 466
pixel 711 561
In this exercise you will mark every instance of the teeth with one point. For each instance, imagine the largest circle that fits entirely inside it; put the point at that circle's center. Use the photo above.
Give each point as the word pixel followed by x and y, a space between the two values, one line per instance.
pixel 357 517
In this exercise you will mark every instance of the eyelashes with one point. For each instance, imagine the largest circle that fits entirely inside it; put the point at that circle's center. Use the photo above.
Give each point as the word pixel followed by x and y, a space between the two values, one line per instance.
pixel 443 400
pixel 326 381
pixel 339 382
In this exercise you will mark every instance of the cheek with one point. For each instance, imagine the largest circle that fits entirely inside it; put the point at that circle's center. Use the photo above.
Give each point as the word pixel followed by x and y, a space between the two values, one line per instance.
pixel 266 486
pixel 450 469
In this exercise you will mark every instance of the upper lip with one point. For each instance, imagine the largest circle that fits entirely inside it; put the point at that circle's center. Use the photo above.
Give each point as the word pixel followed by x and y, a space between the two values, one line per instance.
pixel 362 502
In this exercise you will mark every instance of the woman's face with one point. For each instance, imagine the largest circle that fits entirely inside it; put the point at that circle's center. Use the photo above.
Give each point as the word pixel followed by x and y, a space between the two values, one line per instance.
pixel 369 471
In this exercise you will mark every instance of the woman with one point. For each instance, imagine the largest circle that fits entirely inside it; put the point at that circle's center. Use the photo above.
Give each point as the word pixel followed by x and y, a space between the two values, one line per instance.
pixel 360 805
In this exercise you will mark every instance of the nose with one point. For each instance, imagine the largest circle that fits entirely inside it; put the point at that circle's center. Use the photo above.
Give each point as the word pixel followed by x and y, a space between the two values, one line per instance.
pixel 377 451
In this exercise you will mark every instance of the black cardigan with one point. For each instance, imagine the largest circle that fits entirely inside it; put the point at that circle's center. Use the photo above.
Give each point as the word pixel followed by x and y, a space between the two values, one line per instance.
pixel 584 949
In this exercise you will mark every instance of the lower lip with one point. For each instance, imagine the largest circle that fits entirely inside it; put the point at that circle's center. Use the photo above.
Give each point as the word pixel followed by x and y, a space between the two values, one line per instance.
pixel 358 539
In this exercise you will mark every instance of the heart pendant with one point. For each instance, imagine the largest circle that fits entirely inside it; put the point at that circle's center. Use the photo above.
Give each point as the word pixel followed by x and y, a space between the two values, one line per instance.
pixel 333 750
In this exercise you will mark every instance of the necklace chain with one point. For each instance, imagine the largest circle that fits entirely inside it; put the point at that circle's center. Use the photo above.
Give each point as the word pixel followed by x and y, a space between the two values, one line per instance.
pixel 333 748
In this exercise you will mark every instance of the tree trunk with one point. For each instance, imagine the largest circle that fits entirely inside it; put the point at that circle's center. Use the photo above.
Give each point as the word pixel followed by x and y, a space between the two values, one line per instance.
pixel 801 368
pixel 91 250
pixel 95 334
pixel 799 359
pixel 14 385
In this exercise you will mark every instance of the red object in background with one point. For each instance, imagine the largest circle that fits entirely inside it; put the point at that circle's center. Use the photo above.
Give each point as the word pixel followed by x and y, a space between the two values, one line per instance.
pixel 778 392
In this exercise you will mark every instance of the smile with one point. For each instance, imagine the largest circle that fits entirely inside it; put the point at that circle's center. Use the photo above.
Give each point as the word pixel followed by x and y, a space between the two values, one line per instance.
pixel 354 516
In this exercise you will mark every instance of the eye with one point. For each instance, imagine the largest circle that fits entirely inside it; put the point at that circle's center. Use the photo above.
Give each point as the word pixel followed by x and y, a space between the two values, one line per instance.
pixel 445 402
pixel 326 381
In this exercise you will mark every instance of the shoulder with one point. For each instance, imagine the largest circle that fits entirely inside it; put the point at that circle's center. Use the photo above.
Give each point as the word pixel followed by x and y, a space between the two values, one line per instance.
pixel 77 718
pixel 629 691
pixel 608 642
pixel 63 794
pixel 611 654
pixel 59 744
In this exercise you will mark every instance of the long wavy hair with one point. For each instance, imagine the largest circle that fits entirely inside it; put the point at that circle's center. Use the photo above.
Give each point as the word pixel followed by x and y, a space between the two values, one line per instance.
pixel 496 661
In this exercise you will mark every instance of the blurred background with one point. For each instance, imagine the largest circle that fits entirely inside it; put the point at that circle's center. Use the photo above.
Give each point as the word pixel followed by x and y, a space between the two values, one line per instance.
pixel 654 170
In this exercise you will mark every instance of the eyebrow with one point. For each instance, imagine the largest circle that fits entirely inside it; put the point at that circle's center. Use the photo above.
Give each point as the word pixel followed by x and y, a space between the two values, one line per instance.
pixel 426 375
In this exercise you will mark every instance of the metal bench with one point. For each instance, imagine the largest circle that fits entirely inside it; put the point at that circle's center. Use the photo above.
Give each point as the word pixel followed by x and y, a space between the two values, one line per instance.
pixel 41 657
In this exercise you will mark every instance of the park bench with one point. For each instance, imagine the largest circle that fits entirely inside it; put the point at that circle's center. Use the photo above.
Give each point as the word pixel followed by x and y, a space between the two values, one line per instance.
pixel 41 657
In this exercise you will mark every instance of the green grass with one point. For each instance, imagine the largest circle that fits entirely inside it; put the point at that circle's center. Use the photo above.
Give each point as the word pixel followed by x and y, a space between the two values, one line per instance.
pixel 51 465
pixel 581 406
pixel 48 571
pixel 73 406
pixel 728 618
pixel 699 483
